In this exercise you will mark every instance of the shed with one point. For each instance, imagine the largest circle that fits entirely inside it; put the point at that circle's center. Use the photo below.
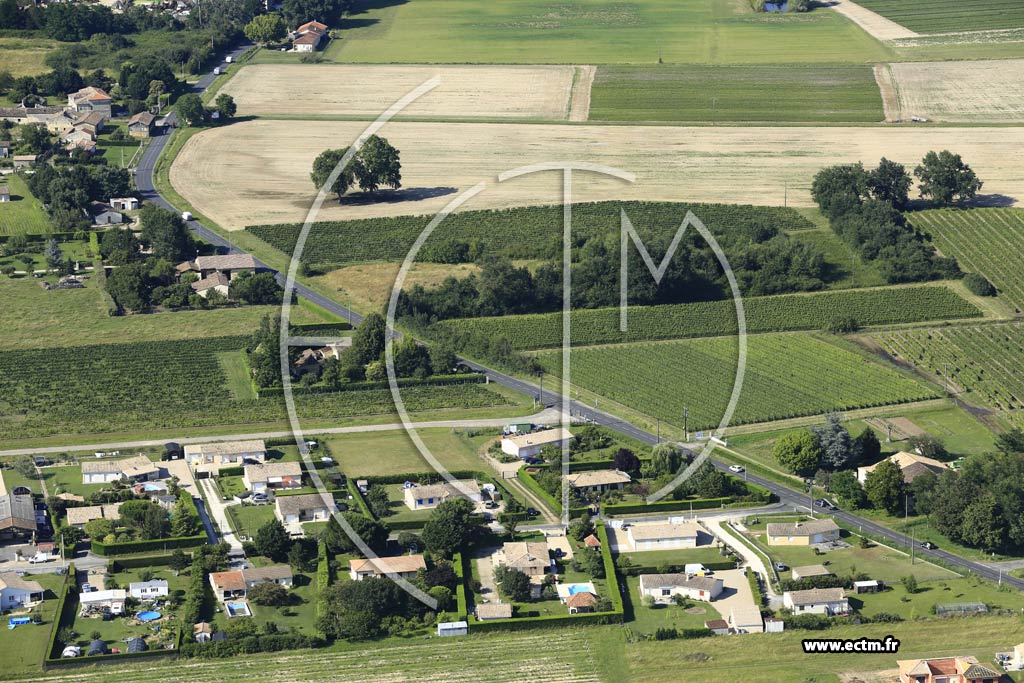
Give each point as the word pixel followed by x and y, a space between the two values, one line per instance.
pixel 97 647
pixel 453 628
pixel 867 586
pixel 137 644
pixel 719 627
pixel 773 625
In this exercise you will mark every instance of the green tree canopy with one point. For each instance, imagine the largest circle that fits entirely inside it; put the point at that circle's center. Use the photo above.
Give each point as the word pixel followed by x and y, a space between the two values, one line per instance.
pixel 945 178
pixel 449 528
pixel 798 452
pixel 885 488
pixel 272 541
pixel 190 108
pixel 265 28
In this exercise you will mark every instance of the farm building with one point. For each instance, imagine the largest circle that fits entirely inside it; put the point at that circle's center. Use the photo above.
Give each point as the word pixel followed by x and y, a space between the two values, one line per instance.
pixel 431 495
pixel 148 590
pixel 946 670
pixel 719 627
pixel 17 516
pixel 308 507
pixel 803 533
pixel 226 452
pixel 530 445
pixel 662 587
pixel 811 570
pixel 272 475
pixel 827 601
pixel 490 611
pixel 911 465
pixel 103 214
pixel 406 566
pixel 16 592
pixel 598 481
pixel 141 125
pixel 452 628
pixel 124 203
pixel 662 536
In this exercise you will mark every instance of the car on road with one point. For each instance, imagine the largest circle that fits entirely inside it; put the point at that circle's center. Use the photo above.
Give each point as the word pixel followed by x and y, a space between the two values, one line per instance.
pixel 736 468
pixel 826 504
pixel 929 545
pixel 39 558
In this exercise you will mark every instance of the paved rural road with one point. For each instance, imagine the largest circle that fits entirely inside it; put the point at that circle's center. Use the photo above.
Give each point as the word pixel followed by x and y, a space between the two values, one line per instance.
pixel 787 496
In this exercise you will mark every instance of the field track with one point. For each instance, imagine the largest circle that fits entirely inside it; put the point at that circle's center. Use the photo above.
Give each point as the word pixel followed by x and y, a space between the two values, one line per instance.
pixel 875 24
pixel 257 172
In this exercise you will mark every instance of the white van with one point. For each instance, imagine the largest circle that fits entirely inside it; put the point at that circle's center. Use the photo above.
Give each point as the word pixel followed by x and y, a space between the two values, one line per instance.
pixel 697 570
pixel 186 216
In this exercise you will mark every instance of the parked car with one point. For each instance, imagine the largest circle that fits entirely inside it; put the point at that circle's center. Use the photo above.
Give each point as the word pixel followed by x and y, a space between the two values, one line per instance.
pixel 736 468
pixel 532 512
pixel 780 566
pixel 260 499
pixel 490 505
pixel 39 558
pixel 87 588
pixel 929 545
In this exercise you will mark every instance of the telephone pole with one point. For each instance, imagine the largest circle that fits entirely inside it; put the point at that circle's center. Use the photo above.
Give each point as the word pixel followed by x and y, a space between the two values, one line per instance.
pixel 686 416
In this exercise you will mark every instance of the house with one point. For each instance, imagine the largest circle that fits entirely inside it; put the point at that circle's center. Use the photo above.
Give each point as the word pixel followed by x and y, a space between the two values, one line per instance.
pixel 581 603
pixel 911 465
pixel 662 536
pixel 1017 658
pixel 452 628
pixel 137 468
pixel 111 599
pixel 5 149
pixel 810 570
pixel 310 360
pixel 226 452
pixel 202 632
pixel 827 601
pixel 103 214
pixel 662 587
pixel 24 160
pixel 81 143
pixel 125 203
pixel 870 586
pixel 746 619
pixel 598 481
pixel 141 125
pixel 227 585
pixel 490 611
pixel 530 445
pixel 309 507
pixel 803 533
pixel 529 557
pixel 90 99
pixel 148 590
pixel 964 669
pixel 228 264
pixel 218 282
pixel 76 137
pixel 60 124
pixel 405 566
pixel 236 583
pixel 307 42
pixel 17 516
pixel 79 517
pixel 272 475
pixel 312 26
pixel 5 194
pixel 91 123
pixel 16 592
pixel 33 115
pixel 431 495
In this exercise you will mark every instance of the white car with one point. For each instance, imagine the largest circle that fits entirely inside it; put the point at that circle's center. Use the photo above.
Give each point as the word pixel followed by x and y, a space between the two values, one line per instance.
pixel 736 468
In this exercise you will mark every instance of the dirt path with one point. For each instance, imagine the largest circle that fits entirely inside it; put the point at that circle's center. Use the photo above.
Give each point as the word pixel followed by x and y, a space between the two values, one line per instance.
pixel 878 26
pixel 218 510
pixel 532 499
pixel 579 100
pixel 890 92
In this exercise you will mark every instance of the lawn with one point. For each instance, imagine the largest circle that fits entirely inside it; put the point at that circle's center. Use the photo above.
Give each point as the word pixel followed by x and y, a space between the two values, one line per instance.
pixel 939 592
pixel 662 558
pixel 236 369
pixel 847 269
pixel 393 452
pixel 650 619
pixel 24 213
pixel 783 378
pixel 24 647
pixel 247 519
pixel 400 512
pixel 730 93
pixel 300 613
pixel 598 32
pixel 117 153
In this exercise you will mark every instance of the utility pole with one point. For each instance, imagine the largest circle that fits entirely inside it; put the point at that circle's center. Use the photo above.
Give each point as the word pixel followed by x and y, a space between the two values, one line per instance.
pixel 659 430
pixel 686 417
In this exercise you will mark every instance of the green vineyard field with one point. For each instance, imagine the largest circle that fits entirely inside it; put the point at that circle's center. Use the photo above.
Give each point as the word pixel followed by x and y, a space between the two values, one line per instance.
pixel 787 375
pixel 986 241
pixel 984 363
pixel 524 232
pixel 942 16
pixel 157 385
pixel 717 318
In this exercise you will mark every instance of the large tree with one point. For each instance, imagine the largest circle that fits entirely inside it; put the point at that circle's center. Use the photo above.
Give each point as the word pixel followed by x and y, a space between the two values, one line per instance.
pixel 272 541
pixel 835 443
pixel 945 178
pixel 368 339
pixel 666 458
pixel 190 108
pixel 324 165
pixel 265 28
pixel 513 584
pixel 377 163
pixel 885 488
pixel 890 182
pixel 129 285
pixel 798 452
pixel 225 106
pixel 866 447
pixel 166 233
pixel 449 527
pixel 845 486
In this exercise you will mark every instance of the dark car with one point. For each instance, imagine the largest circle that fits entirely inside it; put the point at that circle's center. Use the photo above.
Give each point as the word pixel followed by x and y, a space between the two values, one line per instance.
pixel 532 512
pixel 822 503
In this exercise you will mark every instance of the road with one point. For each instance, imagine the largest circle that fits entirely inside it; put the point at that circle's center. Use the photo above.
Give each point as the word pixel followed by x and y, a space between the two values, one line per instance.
pixel 787 496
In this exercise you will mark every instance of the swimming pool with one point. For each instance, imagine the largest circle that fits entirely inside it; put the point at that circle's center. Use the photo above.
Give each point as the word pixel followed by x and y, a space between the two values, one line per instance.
pixel 148 616
pixel 238 609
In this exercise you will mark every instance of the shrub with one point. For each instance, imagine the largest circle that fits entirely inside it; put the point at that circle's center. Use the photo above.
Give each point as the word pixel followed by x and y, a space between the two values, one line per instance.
pixel 978 284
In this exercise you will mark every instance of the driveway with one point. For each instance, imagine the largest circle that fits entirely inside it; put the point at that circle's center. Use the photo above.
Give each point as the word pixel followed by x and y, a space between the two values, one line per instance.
pixel 736 593
pixel 720 527
pixel 485 572
pixel 218 511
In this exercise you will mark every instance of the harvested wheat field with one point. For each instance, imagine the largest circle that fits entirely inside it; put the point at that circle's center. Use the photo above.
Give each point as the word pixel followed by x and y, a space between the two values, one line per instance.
pixel 258 171
pixel 983 91
pixel 348 90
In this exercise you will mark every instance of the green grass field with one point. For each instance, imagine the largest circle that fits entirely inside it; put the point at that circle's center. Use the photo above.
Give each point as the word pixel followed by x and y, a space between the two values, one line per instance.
pixel 24 213
pixel 714 318
pixel 25 56
pixel 393 452
pixel 848 269
pixel 986 241
pixel 941 16
pixel 598 32
pixel 117 152
pixel 982 364
pixel 24 647
pixel 749 93
pixel 787 375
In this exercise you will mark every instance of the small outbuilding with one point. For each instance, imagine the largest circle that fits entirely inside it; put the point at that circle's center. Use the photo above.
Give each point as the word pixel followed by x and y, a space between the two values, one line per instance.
pixel 137 645
pixel 453 628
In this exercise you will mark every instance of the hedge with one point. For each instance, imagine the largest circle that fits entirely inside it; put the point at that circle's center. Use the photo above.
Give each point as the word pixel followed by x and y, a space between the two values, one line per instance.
pixel 436 380
pixel 609 569
pixel 312 329
pixel 62 616
pixel 636 570
pixel 230 472
pixel 161 560
pixel 459 565
pixel 758 495
pixel 133 547
pixel 99 272
pixel 520 623
pixel 350 484
pixel 250 644
pixel 323 577
pixel 527 479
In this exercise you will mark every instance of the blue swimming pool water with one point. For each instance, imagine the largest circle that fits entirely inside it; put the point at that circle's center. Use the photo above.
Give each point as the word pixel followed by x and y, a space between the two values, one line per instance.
pixel 148 616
